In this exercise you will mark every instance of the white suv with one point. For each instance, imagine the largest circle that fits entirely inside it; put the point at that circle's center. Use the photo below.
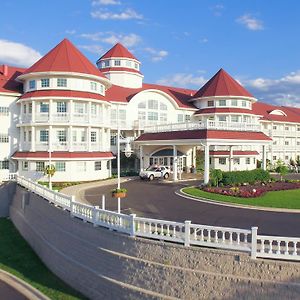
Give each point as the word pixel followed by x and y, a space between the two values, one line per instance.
pixel 155 172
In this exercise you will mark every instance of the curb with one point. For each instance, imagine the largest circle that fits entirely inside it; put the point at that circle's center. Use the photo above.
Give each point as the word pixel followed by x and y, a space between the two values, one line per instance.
pixel 241 206
pixel 22 287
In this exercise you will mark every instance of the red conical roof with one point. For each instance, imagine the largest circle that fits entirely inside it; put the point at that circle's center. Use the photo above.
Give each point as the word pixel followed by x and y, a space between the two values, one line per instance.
pixel 65 57
pixel 222 84
pixel 118 50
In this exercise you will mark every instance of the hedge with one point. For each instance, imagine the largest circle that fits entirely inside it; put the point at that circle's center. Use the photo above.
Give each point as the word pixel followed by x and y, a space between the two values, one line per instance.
pixel 239 177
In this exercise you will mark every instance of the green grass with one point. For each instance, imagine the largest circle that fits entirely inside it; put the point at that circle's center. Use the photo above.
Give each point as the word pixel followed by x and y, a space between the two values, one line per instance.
pixel 280 199
pixel 17 258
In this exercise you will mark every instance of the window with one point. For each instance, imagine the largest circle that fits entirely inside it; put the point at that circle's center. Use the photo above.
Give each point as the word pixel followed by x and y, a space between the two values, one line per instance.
pixel 40 166
pixel 44 135
pixel 3 111
pixel 254 160
pixel 30 108
pixel 45 82
pixel 93 86
pixel 31 84
pixel 222 160
pixel 274 127
pixel 163 106
pixel 44 107
pixel 247 160
pixel 142 104
pixel 101 89
pixel 236 161
pixel 61 82
pixel 180 118
pixel 24 108
pixel 97 165
pixel 79 108
pixel 105 63
pixel 274 157
pixel 153 104
pixel 93 136
pixel 222 118
pixel 274 142
pixel 113 140
pixel 210 103
pixel 298 143
pixel 94 109
pixel 141 115
pixel 244 103
pixel 117 63
pixel 29 136
pixel 128 63
pixel 4 164
pixel 187 118
pixel 136 66
pixel 286 143
pixel 81 166
pixel 74 136
pixel 286 157
pixel 222 102
pixel 62 136
pixel 60 166
pixel 108 165
pixel 287 128
pixel 234 118
pixel 61 107
pixel 25 165
pixel 83 136
pixel 4 138
pixel 234 102
pixel 163 117
pixel 152 116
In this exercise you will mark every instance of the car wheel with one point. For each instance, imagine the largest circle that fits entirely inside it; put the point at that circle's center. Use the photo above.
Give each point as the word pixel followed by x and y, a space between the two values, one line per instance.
pixel 151 177
pixel 166 176
pixel 142 178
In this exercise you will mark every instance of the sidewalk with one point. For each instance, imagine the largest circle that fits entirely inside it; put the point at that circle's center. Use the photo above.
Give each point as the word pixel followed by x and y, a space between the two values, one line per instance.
pixel 79 189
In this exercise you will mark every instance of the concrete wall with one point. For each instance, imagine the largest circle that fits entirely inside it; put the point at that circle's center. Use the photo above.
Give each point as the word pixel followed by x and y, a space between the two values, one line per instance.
pixel 7 191
pixel 103 264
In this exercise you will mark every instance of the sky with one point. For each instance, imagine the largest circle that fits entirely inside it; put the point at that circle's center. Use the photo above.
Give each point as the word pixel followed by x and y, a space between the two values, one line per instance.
pixel 179 43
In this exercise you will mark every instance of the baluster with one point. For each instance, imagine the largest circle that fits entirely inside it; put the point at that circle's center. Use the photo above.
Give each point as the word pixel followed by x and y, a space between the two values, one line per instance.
pixel 271 246
pixel 144 226
pixel 202 235
pixel 162 229
pixel 246 238
pixel 278 247
pixel 223 237
pixel 208 235
pixel 216 236
pixel 238 238
pixel 195 234
pixel 168 230
pixel 155 228
pixel 230 237
pixel 295 248
pixel 174 231
pixel 286 252
pixel 262 246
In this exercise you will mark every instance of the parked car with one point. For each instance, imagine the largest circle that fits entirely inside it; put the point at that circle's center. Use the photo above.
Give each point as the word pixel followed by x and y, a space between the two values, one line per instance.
pixel 155 172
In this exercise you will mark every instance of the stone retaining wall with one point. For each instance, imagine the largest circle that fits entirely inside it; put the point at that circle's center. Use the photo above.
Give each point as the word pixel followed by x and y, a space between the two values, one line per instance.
pixel 103 264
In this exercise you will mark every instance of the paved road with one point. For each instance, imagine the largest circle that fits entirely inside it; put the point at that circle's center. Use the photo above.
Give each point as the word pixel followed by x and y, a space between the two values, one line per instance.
pixel 9 293
pixel 158 200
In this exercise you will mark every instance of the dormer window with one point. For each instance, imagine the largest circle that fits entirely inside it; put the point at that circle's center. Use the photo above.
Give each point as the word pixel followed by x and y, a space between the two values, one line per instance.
pixel 93 86
pixel 117 63
pixel 277 112
pixel 32 84
pixel 105 64
pixel 234 103
pixel 136 66
pixel 210 103
pixel 222 102
pixel 45 82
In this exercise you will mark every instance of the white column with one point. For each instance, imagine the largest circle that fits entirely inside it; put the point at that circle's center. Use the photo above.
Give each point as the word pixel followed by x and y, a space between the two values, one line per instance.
pixel 141 159
pixel 206 164
pixel 70 138
pixel 33 112
pixel 175 163
pixel 103 113
pixel 89 111
pixel 33 138
pixel 71 110
pixel 50 138
pixel 103 141
pixel 51 110
pixel 21 141
pixel 264 158
pixel 230 157
pixel 89 138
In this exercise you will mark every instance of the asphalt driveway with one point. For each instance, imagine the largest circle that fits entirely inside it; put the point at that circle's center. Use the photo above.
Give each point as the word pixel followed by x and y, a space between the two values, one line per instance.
pixel 158 200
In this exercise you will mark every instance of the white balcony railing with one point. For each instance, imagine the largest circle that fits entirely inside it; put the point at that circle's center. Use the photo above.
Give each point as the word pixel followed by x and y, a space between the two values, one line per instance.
pixel 214 125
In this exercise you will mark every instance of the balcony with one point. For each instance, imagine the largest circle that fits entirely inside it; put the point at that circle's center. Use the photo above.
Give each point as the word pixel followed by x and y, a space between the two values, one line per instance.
pixel 212 125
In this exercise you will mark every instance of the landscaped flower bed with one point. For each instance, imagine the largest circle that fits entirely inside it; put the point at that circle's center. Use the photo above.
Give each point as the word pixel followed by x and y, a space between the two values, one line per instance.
pixel 255 190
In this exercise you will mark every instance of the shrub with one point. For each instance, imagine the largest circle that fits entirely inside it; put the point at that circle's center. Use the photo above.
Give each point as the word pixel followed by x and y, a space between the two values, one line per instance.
pixel 241 177
pixel 281 168
pixel 216 176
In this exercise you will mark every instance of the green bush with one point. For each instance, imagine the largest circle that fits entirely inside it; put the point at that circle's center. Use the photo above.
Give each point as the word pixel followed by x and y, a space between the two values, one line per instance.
pixel 216 176
pixel 240 177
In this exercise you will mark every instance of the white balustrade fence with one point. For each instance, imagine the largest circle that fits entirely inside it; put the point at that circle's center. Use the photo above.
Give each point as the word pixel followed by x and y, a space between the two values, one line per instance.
pixel 184 233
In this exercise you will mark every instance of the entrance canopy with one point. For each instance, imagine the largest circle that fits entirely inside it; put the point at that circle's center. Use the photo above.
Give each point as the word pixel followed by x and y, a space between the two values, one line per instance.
pixel 166 153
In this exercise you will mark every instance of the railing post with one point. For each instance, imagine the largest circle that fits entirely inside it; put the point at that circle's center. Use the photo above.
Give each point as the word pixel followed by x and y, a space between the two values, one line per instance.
pixel 95 215
pixel 71 205
pixel 103 202
pixel 187 232
pixel 254 242
pixel 132 224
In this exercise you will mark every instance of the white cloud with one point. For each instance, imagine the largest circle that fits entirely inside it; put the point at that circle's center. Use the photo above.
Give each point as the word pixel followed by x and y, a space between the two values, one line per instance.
pixel 112 38
pixel 17 54
pixel 217 10
pixel 108 15
pixel 183 80
pixel 71 32
pixel 157 55
pixel 105 2
pixel 250 22
pixel 203 40
pixel 92 48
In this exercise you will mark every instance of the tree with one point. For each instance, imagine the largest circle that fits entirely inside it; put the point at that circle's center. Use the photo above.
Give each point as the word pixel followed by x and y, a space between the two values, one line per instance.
pixel 281 168
pixel 298 163
pixel 216 176
pixel 293 164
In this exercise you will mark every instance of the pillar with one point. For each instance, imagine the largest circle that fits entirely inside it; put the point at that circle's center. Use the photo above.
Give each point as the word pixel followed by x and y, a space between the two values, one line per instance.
pixel 33 112
pixel 175 163
pixel 50 138
pixel 264 158
pixel 230 158
pixel 70 138
pixel 206 164
pixel 33 139
pixel 89 139
pixel 141 159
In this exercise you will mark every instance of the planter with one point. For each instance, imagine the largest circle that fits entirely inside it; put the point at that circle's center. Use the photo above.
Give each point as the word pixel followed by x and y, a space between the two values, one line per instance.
pixel 119 194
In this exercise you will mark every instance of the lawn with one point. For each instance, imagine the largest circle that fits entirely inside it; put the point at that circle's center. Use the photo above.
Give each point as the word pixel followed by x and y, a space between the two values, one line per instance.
pixel 17 258
pixel 276 199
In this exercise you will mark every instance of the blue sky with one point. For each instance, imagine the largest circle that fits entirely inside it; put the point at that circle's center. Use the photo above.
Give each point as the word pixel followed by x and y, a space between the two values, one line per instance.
pixel 180 43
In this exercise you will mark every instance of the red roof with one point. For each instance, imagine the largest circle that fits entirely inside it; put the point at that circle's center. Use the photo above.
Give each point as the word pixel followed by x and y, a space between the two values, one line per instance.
pixel 104 70
pixel 118 50
pixel 65 57
pixel 235 153
pixel 123 94
pixel 204 134
pixel 222 84
pixel 63 93
pixel 8 84
pixel 291 114
pixel 62 154
pixel 233 110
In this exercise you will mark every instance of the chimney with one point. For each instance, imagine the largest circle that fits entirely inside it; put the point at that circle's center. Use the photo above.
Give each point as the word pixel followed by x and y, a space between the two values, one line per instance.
pixel 5 70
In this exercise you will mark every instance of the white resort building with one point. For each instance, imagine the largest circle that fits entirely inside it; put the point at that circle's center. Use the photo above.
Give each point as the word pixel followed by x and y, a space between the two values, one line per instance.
pixel 65 111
